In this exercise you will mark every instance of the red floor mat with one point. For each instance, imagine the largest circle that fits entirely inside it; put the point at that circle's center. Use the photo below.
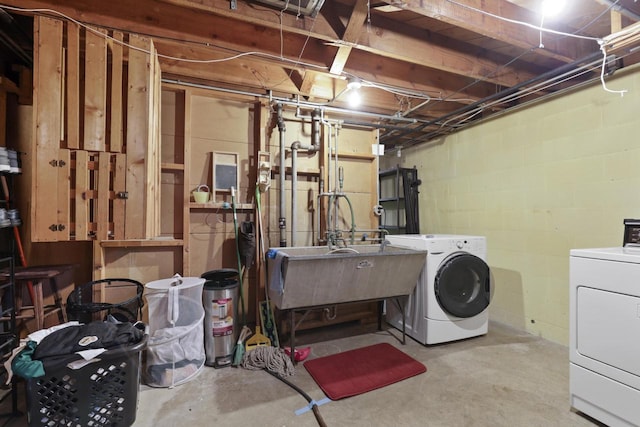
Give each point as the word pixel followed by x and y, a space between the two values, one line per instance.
pixel 357 371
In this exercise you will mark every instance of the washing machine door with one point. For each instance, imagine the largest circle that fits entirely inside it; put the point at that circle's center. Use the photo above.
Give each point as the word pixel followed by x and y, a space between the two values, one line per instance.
pixel 462 285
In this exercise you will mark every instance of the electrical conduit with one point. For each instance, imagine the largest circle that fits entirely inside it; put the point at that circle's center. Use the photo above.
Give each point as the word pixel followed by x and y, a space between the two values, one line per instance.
pixel 282 221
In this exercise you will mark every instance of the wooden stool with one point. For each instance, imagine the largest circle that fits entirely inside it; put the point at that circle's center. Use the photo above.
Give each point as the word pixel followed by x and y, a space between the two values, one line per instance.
pixel 37 276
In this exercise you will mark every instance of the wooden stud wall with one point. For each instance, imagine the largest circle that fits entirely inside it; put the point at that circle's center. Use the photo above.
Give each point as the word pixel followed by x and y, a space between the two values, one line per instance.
pixel 47 101
pixel 94 179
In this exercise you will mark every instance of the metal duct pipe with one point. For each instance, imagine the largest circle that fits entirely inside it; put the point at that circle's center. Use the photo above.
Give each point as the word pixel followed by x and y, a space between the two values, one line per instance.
pixel 282 220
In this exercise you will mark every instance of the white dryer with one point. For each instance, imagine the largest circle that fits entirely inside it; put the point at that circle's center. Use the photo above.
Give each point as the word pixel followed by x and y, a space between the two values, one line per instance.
pixel 453 292
pixel 604 333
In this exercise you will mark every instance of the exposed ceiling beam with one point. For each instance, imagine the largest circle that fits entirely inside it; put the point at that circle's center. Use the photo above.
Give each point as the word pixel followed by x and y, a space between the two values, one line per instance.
pixel 166 18
pixel 382 40
pixel 466 14
pixel 267 75
pixel 350 36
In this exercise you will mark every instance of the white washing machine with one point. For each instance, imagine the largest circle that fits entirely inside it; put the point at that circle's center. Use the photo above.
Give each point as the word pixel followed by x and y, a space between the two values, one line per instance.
pixel 452 295
pixel 604 358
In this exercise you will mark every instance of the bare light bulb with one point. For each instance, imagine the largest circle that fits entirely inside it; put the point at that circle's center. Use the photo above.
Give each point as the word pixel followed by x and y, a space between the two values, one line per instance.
pixel 354 98
pixel 552 7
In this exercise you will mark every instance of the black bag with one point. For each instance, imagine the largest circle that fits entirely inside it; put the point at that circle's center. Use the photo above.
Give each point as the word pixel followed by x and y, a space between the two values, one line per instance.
pixel 247 243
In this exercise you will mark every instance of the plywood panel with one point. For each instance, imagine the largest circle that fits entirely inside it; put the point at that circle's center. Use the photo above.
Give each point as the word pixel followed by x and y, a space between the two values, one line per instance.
pixel 142 264
pixel 95 90
pixel 227 120
pixel 47 106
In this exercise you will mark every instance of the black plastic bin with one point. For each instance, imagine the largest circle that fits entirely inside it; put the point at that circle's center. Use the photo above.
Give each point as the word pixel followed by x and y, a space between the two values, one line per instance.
pixel 102 393
pixel 80 305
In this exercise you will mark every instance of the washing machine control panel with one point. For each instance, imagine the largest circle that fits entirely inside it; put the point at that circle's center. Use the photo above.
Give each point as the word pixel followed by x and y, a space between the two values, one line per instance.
pixel 631 232
pixel 455 245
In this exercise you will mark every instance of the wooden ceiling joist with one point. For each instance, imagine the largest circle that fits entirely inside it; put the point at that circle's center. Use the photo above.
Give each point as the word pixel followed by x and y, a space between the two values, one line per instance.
pixel 466 14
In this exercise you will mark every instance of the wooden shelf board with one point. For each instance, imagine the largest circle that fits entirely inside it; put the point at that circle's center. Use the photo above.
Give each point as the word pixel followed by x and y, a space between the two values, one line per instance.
pixel 219 205
pixel 172 167
pixel 141 243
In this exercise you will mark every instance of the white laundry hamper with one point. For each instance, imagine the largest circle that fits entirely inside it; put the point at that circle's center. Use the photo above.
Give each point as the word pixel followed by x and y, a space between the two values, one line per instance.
pixel 175 351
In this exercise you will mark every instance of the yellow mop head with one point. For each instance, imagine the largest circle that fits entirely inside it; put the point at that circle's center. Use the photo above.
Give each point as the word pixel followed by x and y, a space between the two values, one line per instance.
pixel 257 340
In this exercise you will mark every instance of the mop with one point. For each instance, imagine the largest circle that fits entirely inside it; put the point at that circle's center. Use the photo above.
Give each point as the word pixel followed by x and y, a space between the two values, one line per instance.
pixel 266 313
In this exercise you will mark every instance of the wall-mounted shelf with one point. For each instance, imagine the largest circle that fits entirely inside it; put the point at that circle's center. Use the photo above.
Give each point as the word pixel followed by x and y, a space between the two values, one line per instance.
pixel 221 205
pixel 172 166
pixel 140 243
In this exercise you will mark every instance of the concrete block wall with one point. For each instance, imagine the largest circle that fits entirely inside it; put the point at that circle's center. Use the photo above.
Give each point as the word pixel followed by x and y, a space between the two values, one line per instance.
pixel 557 175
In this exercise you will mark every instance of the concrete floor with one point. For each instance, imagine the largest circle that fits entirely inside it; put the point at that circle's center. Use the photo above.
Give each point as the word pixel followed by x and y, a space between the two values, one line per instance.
pixel 506 378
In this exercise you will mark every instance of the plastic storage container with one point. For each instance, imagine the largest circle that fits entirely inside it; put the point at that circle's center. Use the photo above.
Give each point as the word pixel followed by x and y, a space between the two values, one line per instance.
pixel 219 297
pixel 102 393
pixel 81 307
pixel 175 353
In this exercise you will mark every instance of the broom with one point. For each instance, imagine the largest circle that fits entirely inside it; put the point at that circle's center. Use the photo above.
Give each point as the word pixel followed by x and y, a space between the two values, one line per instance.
pixel 238 350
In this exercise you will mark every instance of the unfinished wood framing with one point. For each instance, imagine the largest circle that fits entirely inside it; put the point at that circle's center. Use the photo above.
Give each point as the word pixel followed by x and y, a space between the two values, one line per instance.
pixel 81 169
pixel 72 85
pixel 47 99
pixel 143 162
pixel 117 61
pixel 81 201
pixel 95 90
pixel 118 206
pixel 97 181
pixel 186 193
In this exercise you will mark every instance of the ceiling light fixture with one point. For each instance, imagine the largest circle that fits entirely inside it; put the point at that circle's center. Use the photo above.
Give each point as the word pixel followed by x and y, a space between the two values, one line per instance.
pixel 353 84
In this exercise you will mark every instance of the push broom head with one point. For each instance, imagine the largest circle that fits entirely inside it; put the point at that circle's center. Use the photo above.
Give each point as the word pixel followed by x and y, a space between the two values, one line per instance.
pixel 257 340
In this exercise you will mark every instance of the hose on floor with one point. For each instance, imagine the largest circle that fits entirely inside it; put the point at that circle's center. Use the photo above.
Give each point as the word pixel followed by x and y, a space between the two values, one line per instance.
pixel 314 406
pixel 277 363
